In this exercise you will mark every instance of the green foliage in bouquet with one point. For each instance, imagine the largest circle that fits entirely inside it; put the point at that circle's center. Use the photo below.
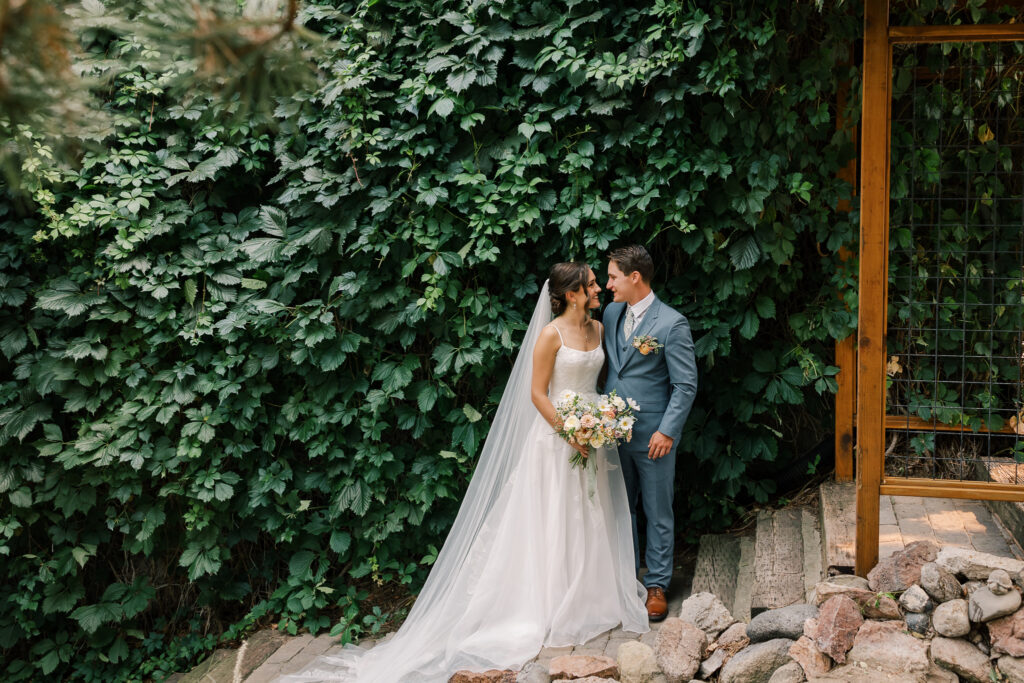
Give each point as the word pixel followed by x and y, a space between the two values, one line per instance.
pixel 247 364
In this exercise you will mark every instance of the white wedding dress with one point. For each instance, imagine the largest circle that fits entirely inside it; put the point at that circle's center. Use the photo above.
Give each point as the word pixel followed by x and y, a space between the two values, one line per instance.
pixel 547 561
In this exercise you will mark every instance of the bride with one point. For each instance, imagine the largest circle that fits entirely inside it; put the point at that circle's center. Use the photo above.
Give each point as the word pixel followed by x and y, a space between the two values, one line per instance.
pixel 541 553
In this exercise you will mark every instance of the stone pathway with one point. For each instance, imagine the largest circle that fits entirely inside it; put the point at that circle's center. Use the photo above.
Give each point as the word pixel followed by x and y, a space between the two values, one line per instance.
pixel 944 521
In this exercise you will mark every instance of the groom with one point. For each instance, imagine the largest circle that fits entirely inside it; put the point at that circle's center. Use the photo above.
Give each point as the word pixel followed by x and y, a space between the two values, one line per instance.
pixel 651 360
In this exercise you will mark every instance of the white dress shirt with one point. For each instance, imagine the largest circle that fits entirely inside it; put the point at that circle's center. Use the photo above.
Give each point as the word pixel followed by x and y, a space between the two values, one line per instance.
pixel 638 309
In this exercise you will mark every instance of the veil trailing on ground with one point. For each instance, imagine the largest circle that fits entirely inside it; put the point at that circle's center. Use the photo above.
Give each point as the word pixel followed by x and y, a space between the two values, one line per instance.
pixel 420 650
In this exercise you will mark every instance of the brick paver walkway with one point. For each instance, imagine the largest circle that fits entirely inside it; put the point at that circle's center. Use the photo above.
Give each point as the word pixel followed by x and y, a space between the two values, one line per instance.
pixel 945 522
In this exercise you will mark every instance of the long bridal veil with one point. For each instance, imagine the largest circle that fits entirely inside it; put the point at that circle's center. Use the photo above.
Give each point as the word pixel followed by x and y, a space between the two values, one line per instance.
pixel 420 650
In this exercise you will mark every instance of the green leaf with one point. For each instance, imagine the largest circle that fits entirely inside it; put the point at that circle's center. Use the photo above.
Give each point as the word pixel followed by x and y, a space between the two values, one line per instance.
pixel 471 414
pixel 299 564
pixel 91 617
pixel 744 252
pixel 442 107
pixel 340 542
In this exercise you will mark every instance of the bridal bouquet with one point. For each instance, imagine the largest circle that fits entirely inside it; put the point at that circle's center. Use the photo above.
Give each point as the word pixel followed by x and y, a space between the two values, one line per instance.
pixel 594 423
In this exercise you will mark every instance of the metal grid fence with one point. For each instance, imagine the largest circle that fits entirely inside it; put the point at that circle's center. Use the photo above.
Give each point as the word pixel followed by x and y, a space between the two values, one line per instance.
pixel 956 263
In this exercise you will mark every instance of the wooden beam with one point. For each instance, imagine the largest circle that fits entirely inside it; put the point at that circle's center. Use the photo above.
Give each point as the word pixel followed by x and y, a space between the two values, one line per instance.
pixel 938 488
pixel 896 422
pixel 956 34
pixel 846 349
pixel 874 254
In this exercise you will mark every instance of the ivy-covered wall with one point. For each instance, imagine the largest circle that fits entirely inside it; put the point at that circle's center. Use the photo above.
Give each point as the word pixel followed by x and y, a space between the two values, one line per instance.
pixel 246 367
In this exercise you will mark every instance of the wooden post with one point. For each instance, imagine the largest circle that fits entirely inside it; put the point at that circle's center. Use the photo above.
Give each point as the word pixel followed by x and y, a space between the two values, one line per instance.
pixel 873 276
pixel 846 349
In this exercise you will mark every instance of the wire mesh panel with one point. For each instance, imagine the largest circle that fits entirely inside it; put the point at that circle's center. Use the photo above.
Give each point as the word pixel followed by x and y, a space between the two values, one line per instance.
pixel 956 263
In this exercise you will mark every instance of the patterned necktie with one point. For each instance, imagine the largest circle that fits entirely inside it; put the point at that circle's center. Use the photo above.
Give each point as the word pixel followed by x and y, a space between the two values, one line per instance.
pixel 630 321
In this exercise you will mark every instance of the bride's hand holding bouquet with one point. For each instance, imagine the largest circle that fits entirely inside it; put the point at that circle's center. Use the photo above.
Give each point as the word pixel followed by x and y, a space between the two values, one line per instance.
pixel 586 424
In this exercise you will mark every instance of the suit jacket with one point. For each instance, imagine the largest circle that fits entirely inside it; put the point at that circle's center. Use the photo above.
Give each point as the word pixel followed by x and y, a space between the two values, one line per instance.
pixel 663 384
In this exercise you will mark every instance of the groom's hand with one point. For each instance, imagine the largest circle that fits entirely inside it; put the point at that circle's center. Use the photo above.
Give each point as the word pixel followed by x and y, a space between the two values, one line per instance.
pixel 658 446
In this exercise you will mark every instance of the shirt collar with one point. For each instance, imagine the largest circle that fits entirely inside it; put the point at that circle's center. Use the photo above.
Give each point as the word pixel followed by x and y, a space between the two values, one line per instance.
pixel 640 307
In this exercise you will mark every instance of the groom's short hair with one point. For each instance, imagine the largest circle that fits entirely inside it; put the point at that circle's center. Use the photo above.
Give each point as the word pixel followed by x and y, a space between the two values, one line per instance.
pixel 634 257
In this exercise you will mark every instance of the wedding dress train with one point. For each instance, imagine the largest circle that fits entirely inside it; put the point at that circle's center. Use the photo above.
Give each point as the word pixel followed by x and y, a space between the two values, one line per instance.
pixel 543 558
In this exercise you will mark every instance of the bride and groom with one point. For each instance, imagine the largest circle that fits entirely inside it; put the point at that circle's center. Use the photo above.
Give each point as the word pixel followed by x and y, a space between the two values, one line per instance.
pixel 542 553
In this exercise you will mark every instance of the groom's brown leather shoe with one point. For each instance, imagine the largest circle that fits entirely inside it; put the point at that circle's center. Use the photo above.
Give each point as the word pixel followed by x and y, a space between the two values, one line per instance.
pixel 657 604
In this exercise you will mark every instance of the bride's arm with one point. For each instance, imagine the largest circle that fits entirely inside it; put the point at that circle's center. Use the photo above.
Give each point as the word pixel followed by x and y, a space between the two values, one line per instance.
pixel 543 365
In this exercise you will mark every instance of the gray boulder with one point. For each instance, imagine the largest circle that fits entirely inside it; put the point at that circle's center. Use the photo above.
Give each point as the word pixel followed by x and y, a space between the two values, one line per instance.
pixel 785 622
pixel 984 605
pixel 706 612
pixel 914 599
pixel 756 663
pixel 950 619
pixel 962 658
pixel 940 583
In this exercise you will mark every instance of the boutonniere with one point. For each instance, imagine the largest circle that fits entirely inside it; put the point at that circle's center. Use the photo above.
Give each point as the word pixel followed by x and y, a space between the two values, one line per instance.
pixel 645 344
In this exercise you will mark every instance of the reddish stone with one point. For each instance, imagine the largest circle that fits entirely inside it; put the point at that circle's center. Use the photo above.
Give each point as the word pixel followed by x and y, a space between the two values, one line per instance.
pixel 1007 634
pixel 902 569
pixel 571 667
pixel 813 661
pixel 492 676
pixel 838 622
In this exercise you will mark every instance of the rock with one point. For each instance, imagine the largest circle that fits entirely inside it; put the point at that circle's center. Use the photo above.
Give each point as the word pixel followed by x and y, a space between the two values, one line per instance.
pixel 961 658
pixel 985 605
pixel 788 673
pixel 919 623
pixel 873 605
pixel 706 612
pixel 713 663
pixel 598 679
pixel 885 645
pixel 852 673
pixel 733 638
pixel 914 599
pixel 569 667
pixel 838 622
pixel 757 662
pixel 950 619
pixel 811 628
pixel 637 663
pixel 534 672
pixel 785 622
pixel 999 582
pixel 812 661
pixel 1007 634
pixel 940 583
pixel 974 565
pixel 1012 669
pixel 902 569
pixel 678 649
pixel 971 586
pixel 850 581
pixel 731 641
pixel 492 676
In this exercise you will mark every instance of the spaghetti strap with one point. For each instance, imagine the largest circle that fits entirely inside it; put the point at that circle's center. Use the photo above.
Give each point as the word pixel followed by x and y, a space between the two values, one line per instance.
pixel 559 333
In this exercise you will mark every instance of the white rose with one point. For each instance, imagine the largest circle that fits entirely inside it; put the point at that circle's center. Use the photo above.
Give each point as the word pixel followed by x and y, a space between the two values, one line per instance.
pixel 572 422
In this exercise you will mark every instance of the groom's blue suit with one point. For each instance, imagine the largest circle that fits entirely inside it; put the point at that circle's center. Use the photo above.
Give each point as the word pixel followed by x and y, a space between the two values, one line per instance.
pixel 664 385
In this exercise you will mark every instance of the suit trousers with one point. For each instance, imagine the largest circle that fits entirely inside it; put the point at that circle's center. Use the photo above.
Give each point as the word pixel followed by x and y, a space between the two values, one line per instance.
pixel 652 482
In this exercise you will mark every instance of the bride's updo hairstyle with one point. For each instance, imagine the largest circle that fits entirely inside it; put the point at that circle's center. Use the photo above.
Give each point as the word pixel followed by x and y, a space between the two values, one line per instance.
pixel 565 278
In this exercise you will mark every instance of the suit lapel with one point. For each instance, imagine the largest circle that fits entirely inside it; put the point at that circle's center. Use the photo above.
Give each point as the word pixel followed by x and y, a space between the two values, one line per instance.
pixel 647 323
pixel 614 342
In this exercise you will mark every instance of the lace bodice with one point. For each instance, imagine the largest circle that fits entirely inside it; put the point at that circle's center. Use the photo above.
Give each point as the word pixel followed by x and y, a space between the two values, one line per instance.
pixel 575 370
